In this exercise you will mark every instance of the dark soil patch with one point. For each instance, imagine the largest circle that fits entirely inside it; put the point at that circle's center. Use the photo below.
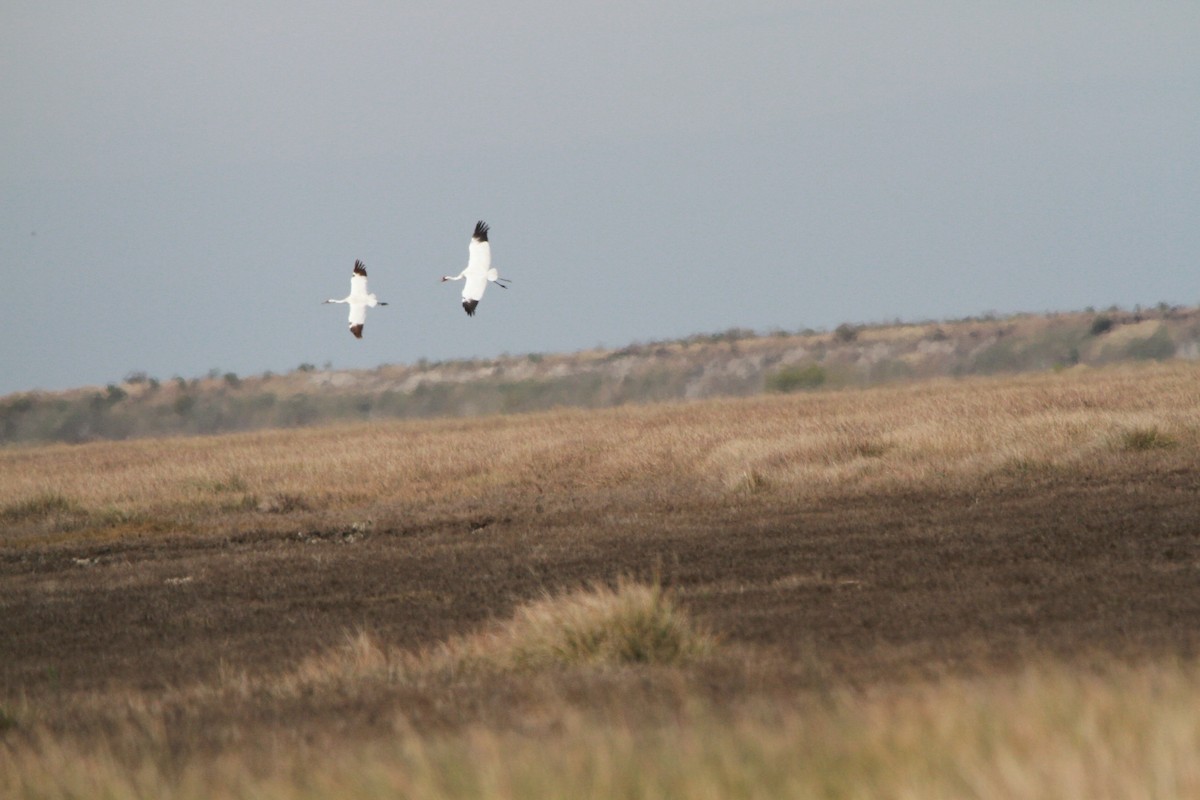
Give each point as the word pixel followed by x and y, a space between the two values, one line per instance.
pixel 868 587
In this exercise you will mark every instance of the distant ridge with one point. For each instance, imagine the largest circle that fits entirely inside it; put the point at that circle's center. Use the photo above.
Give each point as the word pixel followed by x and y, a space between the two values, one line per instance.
pixel 733 363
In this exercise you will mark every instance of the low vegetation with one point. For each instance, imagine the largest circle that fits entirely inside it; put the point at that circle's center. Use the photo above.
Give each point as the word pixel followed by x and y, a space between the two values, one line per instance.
pixel 600 626
pixel 39 507
pixel 1045 732
pixel 790 379
pixel 629 625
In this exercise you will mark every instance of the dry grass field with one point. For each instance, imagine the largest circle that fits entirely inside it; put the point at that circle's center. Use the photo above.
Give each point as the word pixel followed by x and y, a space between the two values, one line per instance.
pixel 986 587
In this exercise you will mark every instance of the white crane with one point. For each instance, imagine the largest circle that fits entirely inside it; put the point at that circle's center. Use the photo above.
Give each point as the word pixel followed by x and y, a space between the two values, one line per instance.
pixel 358 299
pixel 479 271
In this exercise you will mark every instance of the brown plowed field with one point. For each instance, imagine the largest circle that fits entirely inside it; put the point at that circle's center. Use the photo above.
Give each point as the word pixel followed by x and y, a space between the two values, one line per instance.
pixel 868 584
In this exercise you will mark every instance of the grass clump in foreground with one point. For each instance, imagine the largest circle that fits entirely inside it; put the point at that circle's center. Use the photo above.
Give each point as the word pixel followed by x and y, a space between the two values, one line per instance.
pixel 630 624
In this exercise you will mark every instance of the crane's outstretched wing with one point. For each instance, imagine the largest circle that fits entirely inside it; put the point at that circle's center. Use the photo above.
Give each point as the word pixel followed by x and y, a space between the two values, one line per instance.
pixel 479 263
pixel 358 317
pixel 479 251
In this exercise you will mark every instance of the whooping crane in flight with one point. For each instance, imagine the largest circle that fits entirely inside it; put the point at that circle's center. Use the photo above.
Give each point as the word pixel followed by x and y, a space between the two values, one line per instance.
pixel 479 270
pixel 358 299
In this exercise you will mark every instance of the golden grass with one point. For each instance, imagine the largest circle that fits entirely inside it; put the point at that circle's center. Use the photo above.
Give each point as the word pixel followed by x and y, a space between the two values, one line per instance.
pixel 1047 732
pixel 951 435
pixel 40 506
pixel 597 626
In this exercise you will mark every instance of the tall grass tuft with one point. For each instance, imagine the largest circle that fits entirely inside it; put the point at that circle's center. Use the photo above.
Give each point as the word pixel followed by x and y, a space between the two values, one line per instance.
pixel 631 624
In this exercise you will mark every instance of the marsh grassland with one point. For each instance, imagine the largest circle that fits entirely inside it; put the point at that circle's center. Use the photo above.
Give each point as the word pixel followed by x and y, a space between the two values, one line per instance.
pixel 986 587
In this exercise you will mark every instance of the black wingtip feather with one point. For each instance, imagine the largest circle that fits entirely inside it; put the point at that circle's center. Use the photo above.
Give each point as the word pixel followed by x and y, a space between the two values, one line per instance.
pixel 360 268
pixel 469 307
pixel 481 231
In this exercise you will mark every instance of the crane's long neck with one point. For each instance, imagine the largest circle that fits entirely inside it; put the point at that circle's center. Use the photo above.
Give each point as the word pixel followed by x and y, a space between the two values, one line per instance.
pixel 343 300
pixel 457 277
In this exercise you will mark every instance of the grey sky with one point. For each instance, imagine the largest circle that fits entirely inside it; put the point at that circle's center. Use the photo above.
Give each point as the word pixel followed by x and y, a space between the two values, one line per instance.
pixel 182 184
